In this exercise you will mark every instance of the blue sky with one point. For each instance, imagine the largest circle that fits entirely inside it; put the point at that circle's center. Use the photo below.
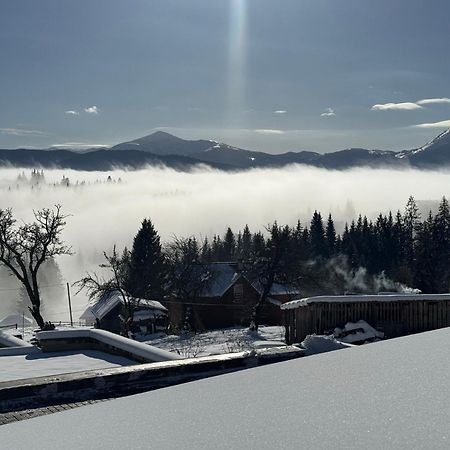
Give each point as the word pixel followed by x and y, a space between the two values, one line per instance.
pixel 261 74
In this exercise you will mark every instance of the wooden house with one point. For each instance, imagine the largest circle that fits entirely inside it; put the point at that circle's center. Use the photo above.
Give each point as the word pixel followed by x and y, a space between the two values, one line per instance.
pixel 228 300
pixel 394 314
pixel 150 316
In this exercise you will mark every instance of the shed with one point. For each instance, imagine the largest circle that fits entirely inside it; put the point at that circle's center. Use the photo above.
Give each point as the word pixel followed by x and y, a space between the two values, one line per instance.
pixel 394 314
pixel 150 315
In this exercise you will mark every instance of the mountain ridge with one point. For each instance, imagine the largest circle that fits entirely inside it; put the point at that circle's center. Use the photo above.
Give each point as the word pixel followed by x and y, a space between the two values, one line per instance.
pixel 162 148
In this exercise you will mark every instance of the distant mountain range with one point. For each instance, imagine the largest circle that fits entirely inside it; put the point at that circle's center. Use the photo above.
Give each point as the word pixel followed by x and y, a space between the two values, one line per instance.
pixel 162 148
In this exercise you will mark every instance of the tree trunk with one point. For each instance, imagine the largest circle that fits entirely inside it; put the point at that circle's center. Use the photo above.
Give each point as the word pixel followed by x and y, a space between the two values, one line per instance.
pixel 35 312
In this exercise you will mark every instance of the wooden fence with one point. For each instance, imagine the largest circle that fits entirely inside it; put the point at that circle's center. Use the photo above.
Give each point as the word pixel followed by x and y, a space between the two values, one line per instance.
pixel 394 318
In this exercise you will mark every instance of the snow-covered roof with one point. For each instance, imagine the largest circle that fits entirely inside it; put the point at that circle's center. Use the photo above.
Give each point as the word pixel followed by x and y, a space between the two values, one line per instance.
pixel 225 274
pixel 14 319
pixel 17 367
pixel 364 298
pixel 391 394
pixel 87 314
pixel 109 301
pixel 105 304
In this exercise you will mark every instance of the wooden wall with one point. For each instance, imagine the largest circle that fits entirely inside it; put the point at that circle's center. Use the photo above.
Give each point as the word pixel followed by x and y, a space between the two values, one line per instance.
pixel 396 318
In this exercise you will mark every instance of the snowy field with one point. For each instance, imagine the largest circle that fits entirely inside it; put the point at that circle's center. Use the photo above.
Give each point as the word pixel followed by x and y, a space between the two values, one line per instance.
pixel 227 340
pixel 391 394
pixel 44 364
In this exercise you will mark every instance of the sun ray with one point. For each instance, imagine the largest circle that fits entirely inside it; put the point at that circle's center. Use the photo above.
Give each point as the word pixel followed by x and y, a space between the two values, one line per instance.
pixel 237 60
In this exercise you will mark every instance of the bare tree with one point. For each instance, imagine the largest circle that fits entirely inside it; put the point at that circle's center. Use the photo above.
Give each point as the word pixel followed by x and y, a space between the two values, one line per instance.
pixel 119 267
pixel 188 274
pixel 275 263
pixel 24 248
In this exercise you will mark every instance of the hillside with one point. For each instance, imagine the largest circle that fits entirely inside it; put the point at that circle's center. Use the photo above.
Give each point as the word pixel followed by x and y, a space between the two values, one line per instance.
pixel 161 148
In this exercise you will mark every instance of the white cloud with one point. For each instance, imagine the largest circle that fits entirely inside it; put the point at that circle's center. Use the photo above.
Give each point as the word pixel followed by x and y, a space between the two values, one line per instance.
pixel 92 110
pixel 430 101
pixel 280 111
pixel 409 106
pixel 21 132
pixel 79 145
pixel 72 112
pixel 441 124
pixel 264 131
pixel 329 112
pixel 405 106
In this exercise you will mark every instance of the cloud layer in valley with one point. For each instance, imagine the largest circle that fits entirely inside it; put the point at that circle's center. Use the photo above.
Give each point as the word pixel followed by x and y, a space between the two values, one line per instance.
pixel 204 202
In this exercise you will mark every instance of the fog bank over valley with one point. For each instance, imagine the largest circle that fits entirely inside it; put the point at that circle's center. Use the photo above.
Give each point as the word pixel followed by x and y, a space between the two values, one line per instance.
pixel 106 211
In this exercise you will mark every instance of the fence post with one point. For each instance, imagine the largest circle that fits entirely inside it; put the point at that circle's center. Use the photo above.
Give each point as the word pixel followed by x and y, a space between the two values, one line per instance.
pixel 70 305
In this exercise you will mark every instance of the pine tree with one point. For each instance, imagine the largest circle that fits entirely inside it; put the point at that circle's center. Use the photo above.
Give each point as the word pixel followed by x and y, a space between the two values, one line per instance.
pixel 330 234
pixel 411 223
pixel 317 236
pixel 146 262
pixel 441 243
pixel 425 268
pixel 229 245
pixel 246 246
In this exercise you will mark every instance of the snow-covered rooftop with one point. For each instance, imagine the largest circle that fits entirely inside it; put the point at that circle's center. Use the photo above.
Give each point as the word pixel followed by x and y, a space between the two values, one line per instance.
pixel 364 298
pixel 392 395
pixel 15 319
pixel 225 274
pixel 38 364
pixel 109 301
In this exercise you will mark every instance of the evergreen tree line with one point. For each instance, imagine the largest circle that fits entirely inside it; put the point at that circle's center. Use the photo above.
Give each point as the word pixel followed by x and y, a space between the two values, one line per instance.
pixel 400 246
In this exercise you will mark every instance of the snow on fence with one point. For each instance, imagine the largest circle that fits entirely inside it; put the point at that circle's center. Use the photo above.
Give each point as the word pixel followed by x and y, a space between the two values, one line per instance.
pixel 395 315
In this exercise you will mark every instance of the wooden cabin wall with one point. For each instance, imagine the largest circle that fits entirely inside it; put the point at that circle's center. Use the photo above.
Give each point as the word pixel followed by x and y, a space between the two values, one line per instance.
pixel 397 318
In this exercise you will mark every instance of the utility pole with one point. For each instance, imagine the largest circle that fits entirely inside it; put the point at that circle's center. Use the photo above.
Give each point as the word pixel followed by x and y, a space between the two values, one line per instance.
pixel 70 305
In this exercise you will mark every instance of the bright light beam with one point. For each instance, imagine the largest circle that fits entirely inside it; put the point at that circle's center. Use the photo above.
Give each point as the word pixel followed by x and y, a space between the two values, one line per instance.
pixel 237 60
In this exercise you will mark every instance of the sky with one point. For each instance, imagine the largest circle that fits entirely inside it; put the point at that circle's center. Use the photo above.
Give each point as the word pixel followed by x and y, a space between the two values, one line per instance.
pixel 267 75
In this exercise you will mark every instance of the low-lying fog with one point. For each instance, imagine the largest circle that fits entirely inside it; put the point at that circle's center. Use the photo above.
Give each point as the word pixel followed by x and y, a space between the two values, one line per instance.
pixel 200 203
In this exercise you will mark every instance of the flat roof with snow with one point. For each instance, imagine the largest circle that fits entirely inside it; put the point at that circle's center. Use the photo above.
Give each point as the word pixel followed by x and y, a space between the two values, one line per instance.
pixel 391 394
pixel 364 298
pixel 38 364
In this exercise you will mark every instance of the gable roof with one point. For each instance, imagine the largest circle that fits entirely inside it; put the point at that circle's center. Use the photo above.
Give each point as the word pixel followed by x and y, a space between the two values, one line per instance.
pixel 223 275
pixel 108 302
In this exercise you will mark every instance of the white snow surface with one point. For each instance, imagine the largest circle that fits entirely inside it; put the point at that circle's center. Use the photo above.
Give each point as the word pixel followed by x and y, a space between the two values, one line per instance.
pixel 391 394
pixel 364 298
pixel 18 367
pixel 216 342
pixel 133 347
pixel 315 344
pixel 359 331
pixel 8 340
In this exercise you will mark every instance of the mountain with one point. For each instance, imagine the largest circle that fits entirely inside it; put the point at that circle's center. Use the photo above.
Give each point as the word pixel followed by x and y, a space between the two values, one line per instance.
pixel 162 148
pixel 161 143
pixel 102 160
pixel 433 154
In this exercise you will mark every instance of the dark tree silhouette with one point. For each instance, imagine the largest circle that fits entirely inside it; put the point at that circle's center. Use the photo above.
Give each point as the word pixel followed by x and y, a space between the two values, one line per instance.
pixel 96 287
pixel 146 271
pixel 25 248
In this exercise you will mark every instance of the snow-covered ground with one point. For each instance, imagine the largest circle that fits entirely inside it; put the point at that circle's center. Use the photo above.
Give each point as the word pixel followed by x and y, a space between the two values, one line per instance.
pixel 391 394
pixel 18 367
pixel 227 340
